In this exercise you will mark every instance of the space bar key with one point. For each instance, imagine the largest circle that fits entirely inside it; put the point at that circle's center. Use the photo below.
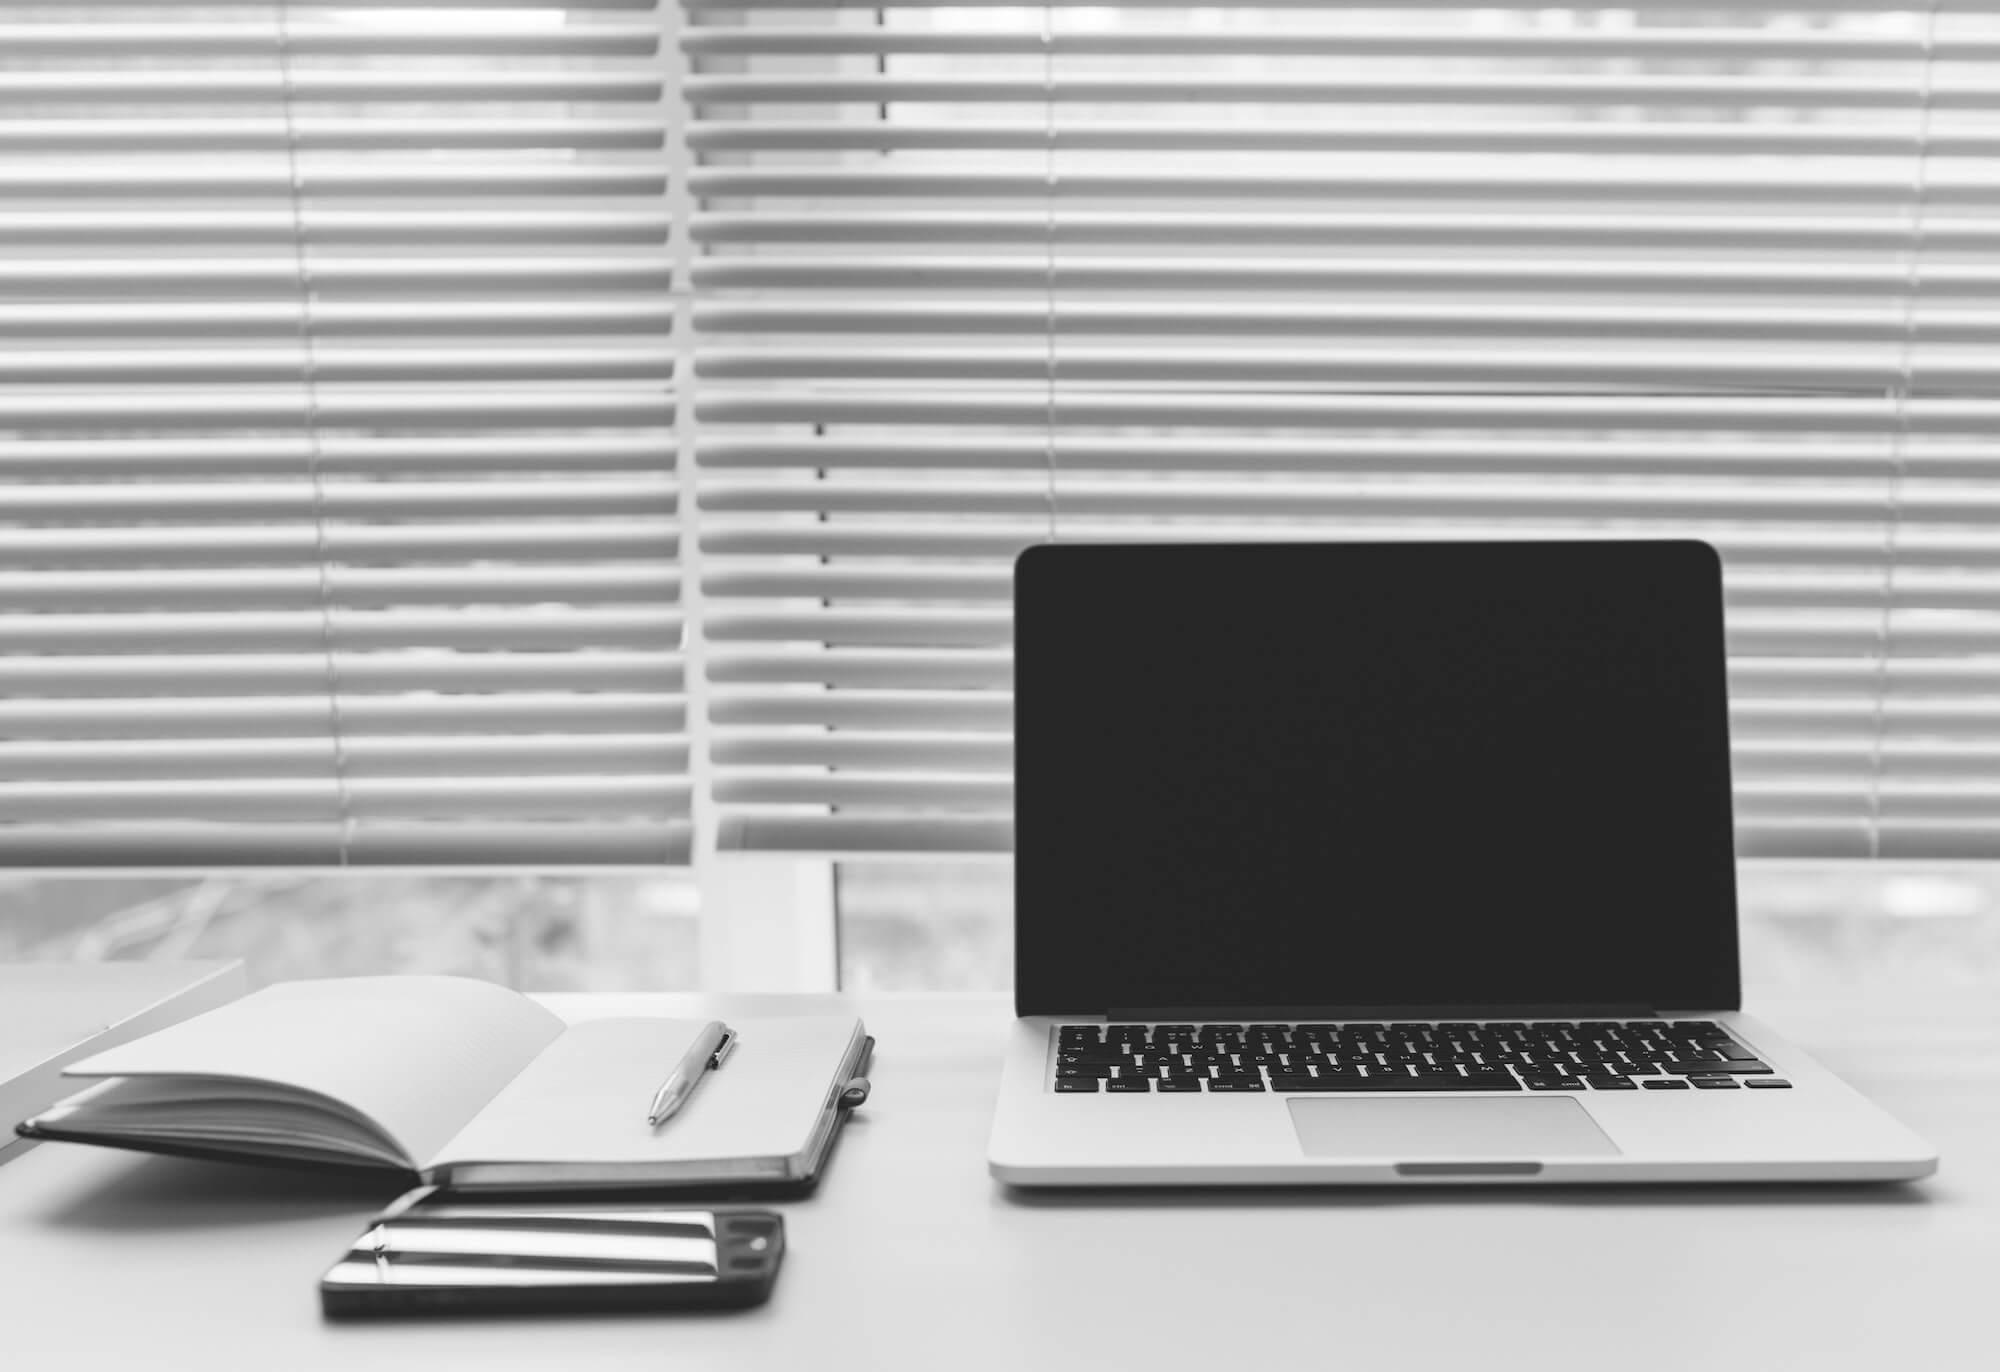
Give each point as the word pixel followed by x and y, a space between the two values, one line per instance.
pixel 1494 1081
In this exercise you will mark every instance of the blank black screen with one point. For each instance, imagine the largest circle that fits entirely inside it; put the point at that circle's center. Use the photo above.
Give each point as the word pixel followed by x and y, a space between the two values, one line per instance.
pixel 1341 776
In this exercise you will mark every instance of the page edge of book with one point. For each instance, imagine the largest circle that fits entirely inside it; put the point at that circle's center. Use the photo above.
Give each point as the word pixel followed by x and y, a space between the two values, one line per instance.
pixel 801 1166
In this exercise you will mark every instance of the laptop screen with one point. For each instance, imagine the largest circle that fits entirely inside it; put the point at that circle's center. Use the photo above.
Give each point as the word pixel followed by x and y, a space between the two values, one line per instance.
pixel 1339 778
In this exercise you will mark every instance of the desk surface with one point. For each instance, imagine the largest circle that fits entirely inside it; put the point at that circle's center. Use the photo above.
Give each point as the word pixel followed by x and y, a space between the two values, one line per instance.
pixel 910 1257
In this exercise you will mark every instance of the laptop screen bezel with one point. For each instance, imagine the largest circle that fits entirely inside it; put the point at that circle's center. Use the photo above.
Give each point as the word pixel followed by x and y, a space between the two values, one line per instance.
pixel 1048 574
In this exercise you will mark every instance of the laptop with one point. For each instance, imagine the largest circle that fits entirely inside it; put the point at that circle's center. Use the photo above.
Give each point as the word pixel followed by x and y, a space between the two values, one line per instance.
pixel 1402 863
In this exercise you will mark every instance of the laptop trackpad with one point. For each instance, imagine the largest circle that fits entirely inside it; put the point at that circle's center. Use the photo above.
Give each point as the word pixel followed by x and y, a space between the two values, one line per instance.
pixel 1459 1128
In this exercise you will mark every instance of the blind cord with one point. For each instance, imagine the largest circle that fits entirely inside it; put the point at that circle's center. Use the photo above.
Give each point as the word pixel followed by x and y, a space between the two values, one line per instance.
pixel 315 453
pixel 1899 436
pixel 1049 266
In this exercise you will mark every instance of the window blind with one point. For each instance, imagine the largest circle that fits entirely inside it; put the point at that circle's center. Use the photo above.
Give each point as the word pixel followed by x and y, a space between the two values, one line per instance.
pixel 337 435
pixel 970 277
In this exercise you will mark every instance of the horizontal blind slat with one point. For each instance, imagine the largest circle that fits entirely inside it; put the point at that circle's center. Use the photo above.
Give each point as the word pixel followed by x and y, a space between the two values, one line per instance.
pixel 313 133
pixel 533 319
pixel 1363 276
pixel 430 797
pixel 1752 719
pixel 1493 227
pixel 236 458
pixel 288 408
pixel 846 835
pixel 1855 798
pixel 196 544
pixel 396 363
pixel 1814 588
pixel 328 843
pixel 1664 500
pixel 165 225
pixel 1032 407
pixel 1857 545
pixel 332 499
pixel 278 277
pixel 1435 136
pixel 114 40
pixel 923 669
pixel 307 674
pixel 268 85
pixel 150 177
pixel 1336 322
pixel 546 712
pixel 1949 92
pixel 302 631
pixel 726 7
pixel 1897 760
pixel 1792 184
pixel 1373 39
pixel 1556 458
pixel 348 587
pixel 1692 367
pixel 159 761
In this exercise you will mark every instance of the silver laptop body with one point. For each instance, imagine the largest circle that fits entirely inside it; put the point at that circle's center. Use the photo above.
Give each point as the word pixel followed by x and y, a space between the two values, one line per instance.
pixel 1392 864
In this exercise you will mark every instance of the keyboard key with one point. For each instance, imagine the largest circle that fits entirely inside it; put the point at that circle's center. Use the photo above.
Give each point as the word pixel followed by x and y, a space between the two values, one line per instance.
pixel 1768 1084
pixel 1236 1084
pixel 1713 1083
pixel 1376 1085
pixel 1665 1084
pixel 1613 1084
pixel 1710 1069
pixel 1077 1084
pixel 1140 1084
pixel 1178 1084
pixel 1555 1086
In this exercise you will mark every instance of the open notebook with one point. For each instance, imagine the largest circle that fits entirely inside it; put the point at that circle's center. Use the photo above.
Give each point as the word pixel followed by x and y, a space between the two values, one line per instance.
pixel 468 1085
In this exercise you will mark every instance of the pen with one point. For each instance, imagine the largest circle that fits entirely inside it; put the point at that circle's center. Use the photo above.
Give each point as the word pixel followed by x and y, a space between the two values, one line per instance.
pixel 710 1046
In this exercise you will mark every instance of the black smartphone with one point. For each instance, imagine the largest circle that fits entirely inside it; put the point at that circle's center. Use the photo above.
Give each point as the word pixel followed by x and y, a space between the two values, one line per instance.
pixel 431 1253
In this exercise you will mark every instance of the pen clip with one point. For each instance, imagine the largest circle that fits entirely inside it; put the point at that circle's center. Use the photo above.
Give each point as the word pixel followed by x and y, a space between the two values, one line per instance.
pixel 722 1050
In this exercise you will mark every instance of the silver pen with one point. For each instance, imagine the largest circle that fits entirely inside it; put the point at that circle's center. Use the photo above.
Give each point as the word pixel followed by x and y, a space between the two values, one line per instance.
pixel 710 1047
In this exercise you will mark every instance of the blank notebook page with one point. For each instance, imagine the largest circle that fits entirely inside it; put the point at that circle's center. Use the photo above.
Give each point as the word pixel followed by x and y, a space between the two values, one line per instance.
pixel 418 1055
pixel 585 1098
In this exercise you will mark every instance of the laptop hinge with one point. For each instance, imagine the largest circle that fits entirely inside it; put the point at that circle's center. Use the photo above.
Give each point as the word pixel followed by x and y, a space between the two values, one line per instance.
pixel 1378 1012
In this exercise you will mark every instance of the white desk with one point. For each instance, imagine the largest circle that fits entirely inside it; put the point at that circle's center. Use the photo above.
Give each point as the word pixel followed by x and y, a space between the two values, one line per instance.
pixel 911 1258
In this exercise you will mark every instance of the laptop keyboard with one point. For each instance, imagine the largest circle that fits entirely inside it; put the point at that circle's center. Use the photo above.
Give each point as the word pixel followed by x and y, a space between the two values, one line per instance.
pixel 1372 1058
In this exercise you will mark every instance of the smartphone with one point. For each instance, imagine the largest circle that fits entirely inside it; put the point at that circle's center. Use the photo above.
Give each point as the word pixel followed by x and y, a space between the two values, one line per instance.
pixel 432 1253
